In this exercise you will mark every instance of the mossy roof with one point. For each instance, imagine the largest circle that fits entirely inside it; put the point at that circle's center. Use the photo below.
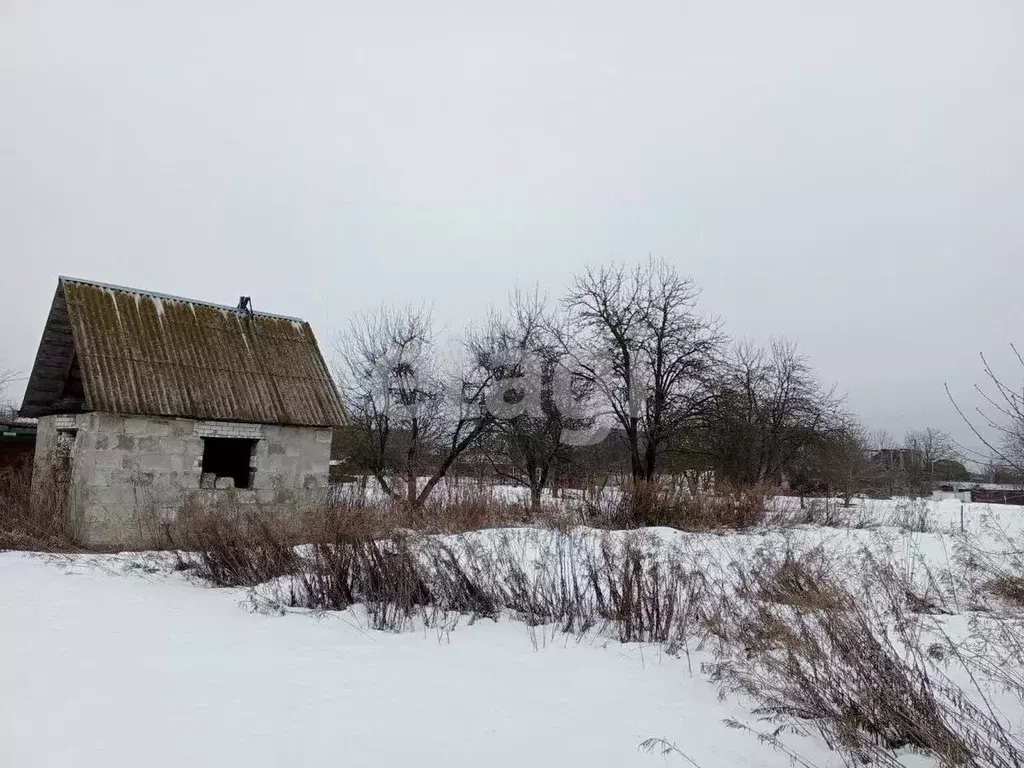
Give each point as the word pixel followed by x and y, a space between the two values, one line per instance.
pixel 139 352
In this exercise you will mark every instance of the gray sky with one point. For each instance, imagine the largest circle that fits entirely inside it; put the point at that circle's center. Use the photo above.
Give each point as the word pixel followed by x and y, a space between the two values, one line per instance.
pixel 848 174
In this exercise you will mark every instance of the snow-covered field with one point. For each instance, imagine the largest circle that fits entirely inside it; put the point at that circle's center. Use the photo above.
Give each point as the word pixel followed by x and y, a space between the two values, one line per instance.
pixel 119 660
pixel 106 665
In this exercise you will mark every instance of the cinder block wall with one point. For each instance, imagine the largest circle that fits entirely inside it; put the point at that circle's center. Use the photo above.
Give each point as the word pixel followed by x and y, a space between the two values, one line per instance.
pixel 131 475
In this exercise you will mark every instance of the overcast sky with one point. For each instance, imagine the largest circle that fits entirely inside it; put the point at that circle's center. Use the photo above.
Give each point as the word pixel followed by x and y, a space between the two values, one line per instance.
pixel 847 174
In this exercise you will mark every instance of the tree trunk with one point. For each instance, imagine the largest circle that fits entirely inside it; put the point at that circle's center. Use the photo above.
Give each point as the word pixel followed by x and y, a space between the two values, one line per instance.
pixel 536 489
pixel 650 461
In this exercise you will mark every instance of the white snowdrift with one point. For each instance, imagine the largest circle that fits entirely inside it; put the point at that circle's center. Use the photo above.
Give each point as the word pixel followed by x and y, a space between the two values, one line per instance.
pixel 148 669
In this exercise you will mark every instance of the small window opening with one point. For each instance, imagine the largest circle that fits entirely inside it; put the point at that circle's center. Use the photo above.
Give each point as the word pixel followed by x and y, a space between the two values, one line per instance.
pixel 229 457
pixel 64 449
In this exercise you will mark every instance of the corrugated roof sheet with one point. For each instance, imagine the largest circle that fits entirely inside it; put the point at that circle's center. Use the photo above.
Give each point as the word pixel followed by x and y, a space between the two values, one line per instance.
pixel 145 353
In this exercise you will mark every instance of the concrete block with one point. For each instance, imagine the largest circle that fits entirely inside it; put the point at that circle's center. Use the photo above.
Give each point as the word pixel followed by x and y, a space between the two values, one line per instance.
pixel 157 462
pixel 224 483
pixel 208 480
pixel 111 459
pixel 130 478
pixel 147 427
pixel 153 444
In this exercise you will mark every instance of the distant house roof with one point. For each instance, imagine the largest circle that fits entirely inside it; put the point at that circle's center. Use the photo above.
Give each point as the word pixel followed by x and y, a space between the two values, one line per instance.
pixel 122 350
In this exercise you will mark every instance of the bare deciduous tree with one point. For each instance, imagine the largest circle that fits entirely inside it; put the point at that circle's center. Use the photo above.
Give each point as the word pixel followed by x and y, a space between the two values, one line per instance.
pixel 770 408
pixel 638 340
pixel 844 465
pixel 933 452
pixel 518 351
pixel 999 422
pixel 413 415
pixel 930 444
pixel 7 408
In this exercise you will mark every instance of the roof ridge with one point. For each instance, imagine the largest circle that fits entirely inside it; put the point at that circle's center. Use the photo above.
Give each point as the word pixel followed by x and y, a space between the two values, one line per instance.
pixel 172 297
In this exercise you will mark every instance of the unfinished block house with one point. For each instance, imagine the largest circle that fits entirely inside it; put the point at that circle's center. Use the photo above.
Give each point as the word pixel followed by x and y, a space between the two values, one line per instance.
pixel 148 404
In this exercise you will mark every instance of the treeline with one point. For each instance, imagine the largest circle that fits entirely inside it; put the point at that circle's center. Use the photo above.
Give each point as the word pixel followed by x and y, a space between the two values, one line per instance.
pixel 624 373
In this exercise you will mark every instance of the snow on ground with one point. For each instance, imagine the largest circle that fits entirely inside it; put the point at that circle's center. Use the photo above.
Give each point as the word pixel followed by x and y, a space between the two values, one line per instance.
pixel 126 669
pixel 118 661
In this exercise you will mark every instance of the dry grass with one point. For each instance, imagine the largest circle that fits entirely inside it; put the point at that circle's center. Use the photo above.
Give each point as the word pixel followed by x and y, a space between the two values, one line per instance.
pixel 618 586
pixel 801 581
pixel 232 547
pixel 236 544
pixel 993 570
pixel 456 510
pixel 649 504
pixel 858 669
pixel 910 515
pixel 33 521
pixel 1008 587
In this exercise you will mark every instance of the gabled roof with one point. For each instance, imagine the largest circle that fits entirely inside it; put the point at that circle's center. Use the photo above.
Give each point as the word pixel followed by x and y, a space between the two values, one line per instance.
pixel 122 350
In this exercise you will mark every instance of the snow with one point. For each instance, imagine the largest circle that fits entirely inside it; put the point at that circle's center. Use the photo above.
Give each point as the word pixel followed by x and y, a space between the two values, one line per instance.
pixel 118 660
pixel 106 665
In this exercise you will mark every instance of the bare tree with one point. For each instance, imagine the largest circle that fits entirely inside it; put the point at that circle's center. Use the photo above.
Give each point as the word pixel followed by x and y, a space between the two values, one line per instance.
pixel 7 408
pixel 880 440
pixel 412 415
pixel 887 478
pixel 519 351
pixel 931 452
pixel 999 422
pixel 771 407
pixel 638 339
pixel 931 445
pixel 843 464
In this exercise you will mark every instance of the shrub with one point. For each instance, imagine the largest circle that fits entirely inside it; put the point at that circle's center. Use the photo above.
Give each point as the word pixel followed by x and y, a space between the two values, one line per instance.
pixel 910 515
pixel 645 599
pixel 231 546
pixel 648 504
pixel 34 518
pixel 456 510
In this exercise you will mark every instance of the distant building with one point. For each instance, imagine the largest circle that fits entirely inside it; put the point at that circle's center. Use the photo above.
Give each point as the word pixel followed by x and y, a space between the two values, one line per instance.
pixel 147 402
pixel 982 493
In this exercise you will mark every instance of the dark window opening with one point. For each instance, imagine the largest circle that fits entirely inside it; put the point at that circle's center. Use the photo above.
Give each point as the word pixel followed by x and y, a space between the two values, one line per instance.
pixel 231 457
pixel 64 448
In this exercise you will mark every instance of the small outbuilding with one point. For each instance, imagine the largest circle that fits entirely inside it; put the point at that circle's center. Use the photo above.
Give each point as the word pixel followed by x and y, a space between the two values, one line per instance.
pixel 148 403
